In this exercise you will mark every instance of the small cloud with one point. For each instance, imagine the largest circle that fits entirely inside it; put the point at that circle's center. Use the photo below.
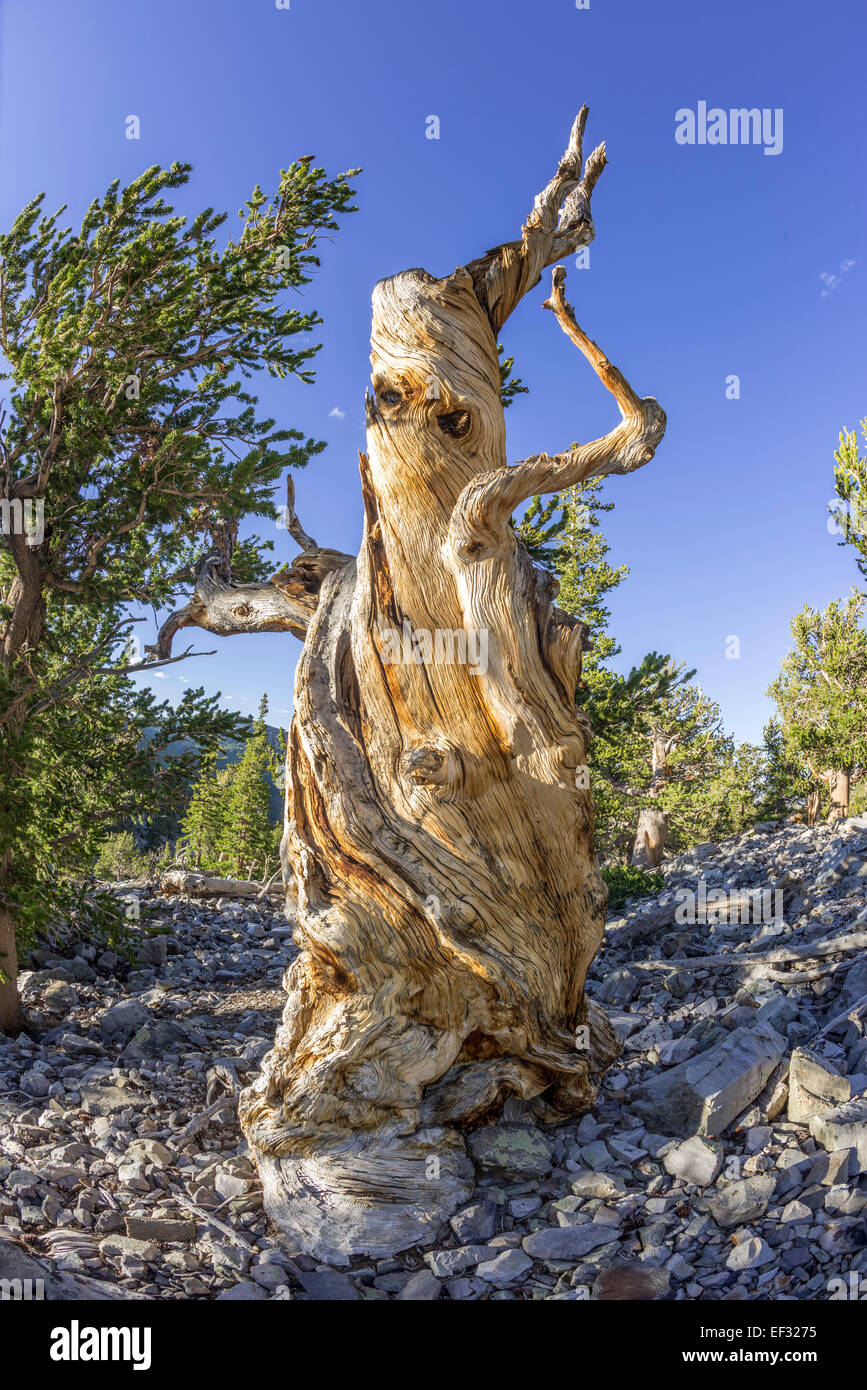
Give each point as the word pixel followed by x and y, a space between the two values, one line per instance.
pixel 185 679
pixel 832 281
pixel 337 413
pixel 160 676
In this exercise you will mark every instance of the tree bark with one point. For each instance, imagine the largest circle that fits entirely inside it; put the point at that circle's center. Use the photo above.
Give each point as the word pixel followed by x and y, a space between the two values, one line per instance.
pixel 838 786
pixel 649 839
pixel 814 801
pixel 23 627
pixel 10 1008
pixel 652 828
pixel 438 826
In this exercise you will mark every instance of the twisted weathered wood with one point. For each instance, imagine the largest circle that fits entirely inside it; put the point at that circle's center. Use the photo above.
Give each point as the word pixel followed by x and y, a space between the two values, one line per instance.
pixel 219 605
pixel 437 827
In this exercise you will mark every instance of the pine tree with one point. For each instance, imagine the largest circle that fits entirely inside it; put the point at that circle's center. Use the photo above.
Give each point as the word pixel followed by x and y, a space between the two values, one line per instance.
pixel 565 535
pixel 821 695
pixel 850 482
pixel 132 442
pixel 788 785
pixel 203 828
pixel 248 838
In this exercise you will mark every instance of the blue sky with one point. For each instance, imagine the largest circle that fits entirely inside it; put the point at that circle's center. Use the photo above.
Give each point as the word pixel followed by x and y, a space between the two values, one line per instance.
pixel 707 263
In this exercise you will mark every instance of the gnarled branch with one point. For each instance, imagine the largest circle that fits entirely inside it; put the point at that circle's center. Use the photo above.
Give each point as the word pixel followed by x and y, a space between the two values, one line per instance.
pixel 293 525
pixel 285 604
pixel 484 507
pixel 558 225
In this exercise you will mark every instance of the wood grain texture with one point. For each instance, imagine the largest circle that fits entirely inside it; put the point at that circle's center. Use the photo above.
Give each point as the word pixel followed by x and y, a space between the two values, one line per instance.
pixel 439 837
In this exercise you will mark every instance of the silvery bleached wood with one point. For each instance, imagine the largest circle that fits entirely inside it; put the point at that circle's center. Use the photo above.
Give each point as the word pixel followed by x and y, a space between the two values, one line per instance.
pixel 438 831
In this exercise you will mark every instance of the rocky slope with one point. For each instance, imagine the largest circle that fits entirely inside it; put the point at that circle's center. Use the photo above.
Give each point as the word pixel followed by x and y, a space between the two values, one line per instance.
pixel 726 1156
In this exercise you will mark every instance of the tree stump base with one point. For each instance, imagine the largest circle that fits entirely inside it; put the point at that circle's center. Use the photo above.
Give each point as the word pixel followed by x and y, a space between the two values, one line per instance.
pixel 370 1195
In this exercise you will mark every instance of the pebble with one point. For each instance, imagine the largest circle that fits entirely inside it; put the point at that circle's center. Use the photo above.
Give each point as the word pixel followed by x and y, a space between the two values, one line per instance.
pixel 508 1268
pixel 750 1254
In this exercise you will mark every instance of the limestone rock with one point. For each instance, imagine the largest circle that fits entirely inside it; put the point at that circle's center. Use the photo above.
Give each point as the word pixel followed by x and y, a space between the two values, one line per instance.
pixel 421 1287
pixel 703 1095
pixel 697 1161
pixel 163 1230
pixel 122 1020
pixel 568 1242
pixel 476 1223
pixel 750 1254
pixel 844 1127
pixel 508 1268
pixel 735 1203
pixel 815 1086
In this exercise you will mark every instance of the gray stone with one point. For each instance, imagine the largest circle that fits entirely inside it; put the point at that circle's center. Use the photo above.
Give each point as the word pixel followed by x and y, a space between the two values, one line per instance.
pixel 59 1285
pixel 602 1185
pixel 35 1083
pixel 697 1161
pixel 796 1211
pixel 421 1287
pixel 22 1180
pixel 59 997
pixel 855 984
pixel 151 1151
pixel 815 1086
pixel 508 1268
pixel 153 951
pixel 230 1185
pixel 620 987
pixel 154 1039
pixel 750 1254
pixel 736 1203
pixel 244 1292
pixel 165 1230
pixel 328 1286
pixel 704 1095
pixel 671 1054
pixel 476 1223
pixel 794 1177
pixel 122 1020
pixel 446 1263
pixel 106 1100
pixel 758 1138
pixel 846 1237
pixel 597 1155
pixel 511 1150
pixel 128 1245
pixel 844 1127
pixel 568 1242
pixel 522 1207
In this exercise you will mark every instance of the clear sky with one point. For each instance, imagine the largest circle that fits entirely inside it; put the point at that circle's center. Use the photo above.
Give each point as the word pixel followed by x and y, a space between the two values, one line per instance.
pixel 708 263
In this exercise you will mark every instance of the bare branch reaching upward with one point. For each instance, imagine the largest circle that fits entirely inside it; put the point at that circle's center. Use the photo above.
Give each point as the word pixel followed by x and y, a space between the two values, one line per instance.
pixel 558 225
pixel 293 525
pixel 484 507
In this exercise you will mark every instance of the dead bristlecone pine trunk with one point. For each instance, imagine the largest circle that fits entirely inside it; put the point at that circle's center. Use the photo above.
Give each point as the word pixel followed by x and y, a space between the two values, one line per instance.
pixel 650 839
pixel 838 786
pixel 438 830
